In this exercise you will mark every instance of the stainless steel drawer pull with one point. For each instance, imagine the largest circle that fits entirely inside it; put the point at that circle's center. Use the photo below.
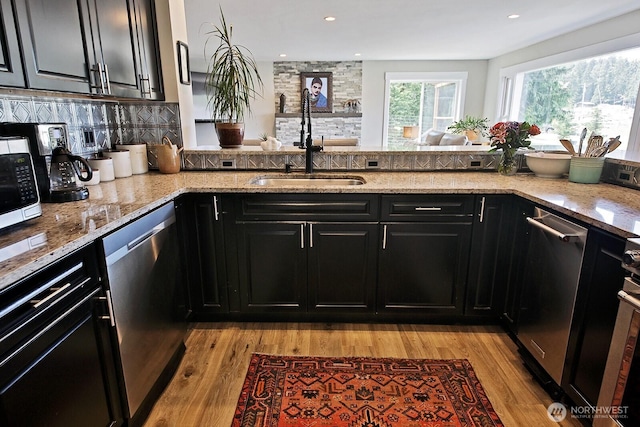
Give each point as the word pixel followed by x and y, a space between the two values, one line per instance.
pixel 434 208
pixel 563 237
pixel 384 236
pixel 51 296
pixel 216 214
pixel 302 236
pixel 112 318
pixel 310 234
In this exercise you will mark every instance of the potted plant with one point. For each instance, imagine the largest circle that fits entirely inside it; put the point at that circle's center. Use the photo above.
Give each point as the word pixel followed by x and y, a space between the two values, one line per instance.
pixel 231 80
pixel 472 127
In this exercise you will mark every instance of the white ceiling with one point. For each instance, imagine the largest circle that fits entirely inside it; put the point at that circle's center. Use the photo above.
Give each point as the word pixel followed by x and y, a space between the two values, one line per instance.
pixel 391 29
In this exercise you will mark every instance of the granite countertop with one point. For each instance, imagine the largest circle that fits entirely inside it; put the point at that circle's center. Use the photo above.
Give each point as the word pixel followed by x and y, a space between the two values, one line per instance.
pixel 64 227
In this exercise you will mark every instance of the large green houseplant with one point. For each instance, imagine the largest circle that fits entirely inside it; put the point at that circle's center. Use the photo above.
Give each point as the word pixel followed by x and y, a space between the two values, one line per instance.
pixel 231 82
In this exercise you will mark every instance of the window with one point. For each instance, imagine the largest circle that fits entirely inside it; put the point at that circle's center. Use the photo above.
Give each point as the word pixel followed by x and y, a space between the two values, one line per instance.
pixel 599 93
pixel 425 100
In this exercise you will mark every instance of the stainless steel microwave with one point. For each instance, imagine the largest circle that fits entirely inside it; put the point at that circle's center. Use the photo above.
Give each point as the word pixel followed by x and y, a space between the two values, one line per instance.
pixel 19 197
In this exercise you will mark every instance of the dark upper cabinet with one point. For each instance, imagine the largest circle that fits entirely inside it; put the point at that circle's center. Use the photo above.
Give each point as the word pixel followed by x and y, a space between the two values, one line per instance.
pixel 57 44
pixel 11 73
pixel 89 46
pixel 150 75
pixel 594 316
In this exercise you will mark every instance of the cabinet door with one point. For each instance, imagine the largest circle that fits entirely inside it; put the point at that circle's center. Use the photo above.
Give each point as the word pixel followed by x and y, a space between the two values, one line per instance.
pixel 151 75
pixel 10 59
pixel 272 259
pixel 423 267
pixel 490 249
pixel 53 36
pixel 201 227
pixel 594 317
pixel 518 240
pixel 342 266
pixel 116 35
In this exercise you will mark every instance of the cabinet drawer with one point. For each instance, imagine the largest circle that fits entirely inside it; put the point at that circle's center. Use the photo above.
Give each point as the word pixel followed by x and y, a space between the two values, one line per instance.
pixel 284 207
pixel 426 207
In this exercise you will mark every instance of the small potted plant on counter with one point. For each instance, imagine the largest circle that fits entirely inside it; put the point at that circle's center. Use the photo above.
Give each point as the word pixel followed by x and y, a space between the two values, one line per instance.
pixel 472 127
pixel 231 81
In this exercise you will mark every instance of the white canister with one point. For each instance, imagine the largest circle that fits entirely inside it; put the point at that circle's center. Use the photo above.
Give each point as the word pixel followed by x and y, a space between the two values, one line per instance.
pixel 95 178
pixel 138 153
pixel 121 162
pixel 105 166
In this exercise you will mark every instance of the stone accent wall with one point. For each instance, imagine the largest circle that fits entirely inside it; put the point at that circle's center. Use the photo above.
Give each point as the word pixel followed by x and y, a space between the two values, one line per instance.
pixel 111 122
pixel 347 85
pixel 329 127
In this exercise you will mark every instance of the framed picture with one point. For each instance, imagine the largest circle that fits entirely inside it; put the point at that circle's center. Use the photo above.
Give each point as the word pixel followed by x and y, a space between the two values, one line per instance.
pixel 183 63
pixel 320 87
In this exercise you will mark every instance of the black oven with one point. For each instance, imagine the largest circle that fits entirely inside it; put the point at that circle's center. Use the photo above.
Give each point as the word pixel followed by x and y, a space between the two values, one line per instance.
pixel 619 398
pixel 19 198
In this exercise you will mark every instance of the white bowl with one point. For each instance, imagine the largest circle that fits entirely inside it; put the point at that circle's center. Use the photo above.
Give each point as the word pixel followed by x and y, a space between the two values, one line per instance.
pixel 548 165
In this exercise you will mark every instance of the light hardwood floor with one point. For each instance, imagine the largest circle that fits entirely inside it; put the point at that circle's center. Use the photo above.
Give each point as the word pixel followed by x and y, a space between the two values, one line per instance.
pixel 205 389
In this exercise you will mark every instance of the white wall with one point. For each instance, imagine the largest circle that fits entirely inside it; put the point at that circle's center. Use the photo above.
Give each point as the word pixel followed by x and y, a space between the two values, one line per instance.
pixel 262 118
pixel 373 84
pixel 615 34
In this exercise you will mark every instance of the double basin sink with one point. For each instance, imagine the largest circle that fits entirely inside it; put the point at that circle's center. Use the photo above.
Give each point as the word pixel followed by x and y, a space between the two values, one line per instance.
pixel 306 180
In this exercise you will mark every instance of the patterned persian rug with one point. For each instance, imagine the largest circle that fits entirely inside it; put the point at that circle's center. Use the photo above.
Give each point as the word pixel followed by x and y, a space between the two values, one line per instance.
pixel 292 391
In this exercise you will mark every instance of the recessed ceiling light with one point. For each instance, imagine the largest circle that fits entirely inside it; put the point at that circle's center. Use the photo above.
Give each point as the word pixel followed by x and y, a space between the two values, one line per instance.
pixel 282 55
pixel 513 16
pixel 329 18
pixel 357 54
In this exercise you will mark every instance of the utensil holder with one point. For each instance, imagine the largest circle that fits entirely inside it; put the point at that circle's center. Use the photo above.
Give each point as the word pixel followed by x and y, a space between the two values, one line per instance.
pixel 586 170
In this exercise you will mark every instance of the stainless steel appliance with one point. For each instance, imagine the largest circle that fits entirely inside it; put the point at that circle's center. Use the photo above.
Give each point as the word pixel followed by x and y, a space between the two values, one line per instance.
pixel 550 284
pixel 619 398
pixel 63 173
pixel 19 197
pixel 43 139
pixel 143 269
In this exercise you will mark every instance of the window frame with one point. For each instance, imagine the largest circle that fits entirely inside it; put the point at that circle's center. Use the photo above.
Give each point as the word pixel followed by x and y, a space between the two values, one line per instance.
pixel 510 87
pixel 460 77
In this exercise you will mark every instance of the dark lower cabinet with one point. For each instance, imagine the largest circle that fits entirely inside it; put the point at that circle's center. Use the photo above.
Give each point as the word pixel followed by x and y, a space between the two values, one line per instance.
pixel 56 356
pixel 272 268
pixel 423 268
pixel 594 317
pixel 514 262
pixel 200 218
pixel 490 251
pixel 342 267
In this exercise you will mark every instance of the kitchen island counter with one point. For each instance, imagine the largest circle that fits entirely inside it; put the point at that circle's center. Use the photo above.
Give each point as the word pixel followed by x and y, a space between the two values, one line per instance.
pixel 64 227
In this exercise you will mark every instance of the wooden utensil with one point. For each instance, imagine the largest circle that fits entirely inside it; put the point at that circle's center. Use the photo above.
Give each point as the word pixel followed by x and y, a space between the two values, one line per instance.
pixel 568 146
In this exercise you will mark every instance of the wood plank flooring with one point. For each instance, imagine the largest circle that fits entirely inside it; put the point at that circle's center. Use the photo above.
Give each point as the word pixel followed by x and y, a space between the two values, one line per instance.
pixel 205 389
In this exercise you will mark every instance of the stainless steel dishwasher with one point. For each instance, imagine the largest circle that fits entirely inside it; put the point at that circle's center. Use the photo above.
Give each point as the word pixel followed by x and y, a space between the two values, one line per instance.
pixel 550 283
pixel 143 272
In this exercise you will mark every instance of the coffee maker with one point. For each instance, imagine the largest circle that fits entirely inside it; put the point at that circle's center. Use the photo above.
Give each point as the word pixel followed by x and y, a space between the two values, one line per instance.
pixel 44 138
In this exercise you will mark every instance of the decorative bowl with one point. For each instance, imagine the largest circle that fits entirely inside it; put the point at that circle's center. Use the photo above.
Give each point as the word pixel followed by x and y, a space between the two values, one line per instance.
pixel 548 165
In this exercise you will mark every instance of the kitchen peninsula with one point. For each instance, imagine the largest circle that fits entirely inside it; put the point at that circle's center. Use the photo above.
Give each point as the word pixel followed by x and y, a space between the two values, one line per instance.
pixel 66 227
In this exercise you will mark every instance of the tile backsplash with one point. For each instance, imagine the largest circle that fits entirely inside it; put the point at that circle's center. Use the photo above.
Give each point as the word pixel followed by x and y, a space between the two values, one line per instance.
pixel 95 125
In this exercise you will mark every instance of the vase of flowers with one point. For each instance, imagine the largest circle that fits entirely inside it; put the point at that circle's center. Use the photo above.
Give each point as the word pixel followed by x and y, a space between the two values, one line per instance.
pixel 508 137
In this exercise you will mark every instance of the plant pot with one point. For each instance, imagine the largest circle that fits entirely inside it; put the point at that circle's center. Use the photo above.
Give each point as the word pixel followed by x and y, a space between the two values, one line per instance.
pixel 230 135
pixel 471 135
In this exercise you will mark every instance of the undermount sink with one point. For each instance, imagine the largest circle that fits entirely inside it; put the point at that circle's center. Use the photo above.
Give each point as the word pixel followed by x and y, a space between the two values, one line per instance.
pixel 307 180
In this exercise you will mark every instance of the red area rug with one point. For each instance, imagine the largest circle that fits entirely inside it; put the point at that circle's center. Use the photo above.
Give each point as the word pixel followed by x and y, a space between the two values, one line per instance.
pixel 288 391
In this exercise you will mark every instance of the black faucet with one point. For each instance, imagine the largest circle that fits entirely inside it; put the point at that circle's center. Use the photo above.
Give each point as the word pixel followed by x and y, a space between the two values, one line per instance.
pixel 307 144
